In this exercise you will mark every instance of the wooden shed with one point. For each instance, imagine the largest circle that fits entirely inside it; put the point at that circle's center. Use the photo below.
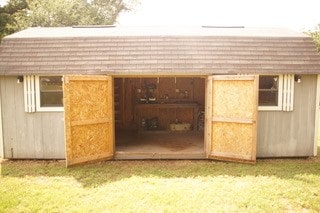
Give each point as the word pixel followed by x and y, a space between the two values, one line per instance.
pixel 93 93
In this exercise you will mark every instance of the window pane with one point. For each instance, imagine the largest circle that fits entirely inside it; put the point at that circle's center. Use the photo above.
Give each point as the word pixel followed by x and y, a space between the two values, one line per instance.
pixel 51 91
pixel 268 90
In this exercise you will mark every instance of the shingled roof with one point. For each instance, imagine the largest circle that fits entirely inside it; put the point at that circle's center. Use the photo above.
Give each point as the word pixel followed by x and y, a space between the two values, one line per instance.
pixel 158 51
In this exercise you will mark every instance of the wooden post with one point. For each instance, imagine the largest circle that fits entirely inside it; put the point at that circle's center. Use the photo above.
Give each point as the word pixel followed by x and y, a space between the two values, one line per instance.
pixel 208 116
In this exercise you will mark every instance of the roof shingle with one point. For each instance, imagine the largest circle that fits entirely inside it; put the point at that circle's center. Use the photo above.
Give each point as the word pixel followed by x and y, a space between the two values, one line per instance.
pixel 36 51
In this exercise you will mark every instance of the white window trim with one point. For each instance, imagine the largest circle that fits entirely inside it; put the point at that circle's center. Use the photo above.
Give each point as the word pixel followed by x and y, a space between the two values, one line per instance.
pixel 288 92
pixel 280 91
pixel 38 107
pixel 316 125
pixel 29 93
pixel 1 133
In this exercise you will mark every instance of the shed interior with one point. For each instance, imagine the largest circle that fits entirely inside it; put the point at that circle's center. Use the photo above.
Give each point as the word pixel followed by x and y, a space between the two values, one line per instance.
pixel 156 117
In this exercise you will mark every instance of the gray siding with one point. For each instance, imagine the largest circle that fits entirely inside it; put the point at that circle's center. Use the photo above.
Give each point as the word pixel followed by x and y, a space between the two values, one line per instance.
pixel 288 134
pixel 41 135
pixel 29 135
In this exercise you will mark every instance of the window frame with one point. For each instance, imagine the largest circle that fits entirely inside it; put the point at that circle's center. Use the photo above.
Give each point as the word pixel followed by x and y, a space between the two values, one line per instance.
pixel 280 94
pixel 39 108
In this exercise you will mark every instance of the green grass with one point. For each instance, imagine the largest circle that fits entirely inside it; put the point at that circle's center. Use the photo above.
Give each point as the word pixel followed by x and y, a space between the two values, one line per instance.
pixel 161 186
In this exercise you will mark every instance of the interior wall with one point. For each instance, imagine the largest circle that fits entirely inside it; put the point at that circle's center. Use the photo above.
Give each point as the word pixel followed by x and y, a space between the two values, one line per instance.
pixel 129 91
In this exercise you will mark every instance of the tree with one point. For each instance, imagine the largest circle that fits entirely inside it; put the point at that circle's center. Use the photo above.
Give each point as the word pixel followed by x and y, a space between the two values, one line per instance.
pixel 20 14
pixel 315 36
pixel 56 13
pixel 107 11
pixel 8 22
pixel 4 20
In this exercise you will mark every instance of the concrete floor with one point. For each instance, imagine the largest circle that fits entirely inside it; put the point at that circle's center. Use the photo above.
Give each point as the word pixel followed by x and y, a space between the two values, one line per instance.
pixel 159 145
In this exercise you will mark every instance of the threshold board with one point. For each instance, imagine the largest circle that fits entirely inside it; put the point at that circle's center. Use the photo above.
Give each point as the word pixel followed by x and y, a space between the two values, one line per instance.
pixel 144 156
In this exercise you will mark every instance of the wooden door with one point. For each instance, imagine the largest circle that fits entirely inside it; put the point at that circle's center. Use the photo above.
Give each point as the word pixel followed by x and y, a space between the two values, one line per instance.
pixel 231 117
pixel 89 118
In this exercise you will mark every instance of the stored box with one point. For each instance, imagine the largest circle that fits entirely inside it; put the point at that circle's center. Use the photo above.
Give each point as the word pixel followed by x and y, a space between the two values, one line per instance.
pixel 180 127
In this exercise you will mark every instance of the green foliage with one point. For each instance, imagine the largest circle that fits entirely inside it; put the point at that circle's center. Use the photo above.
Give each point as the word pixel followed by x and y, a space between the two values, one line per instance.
pixel 20 14
pixel 4 19
pixel 316 38
pixel 106 11
pixel 56 13
pixel 8 16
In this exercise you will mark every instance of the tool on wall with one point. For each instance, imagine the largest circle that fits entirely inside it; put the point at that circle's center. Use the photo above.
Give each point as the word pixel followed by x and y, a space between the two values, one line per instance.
pixel 147 93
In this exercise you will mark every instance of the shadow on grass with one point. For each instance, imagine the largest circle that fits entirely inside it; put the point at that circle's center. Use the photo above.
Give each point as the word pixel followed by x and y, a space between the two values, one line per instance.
pixel 101 173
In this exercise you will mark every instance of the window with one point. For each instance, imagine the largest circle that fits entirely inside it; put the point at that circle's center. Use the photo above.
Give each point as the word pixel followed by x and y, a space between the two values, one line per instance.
pixel 276 92
pixel 49 93
pixel 270 92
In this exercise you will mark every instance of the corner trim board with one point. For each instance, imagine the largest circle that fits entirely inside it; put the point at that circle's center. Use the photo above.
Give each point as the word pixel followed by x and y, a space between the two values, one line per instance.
pixel 316 125
pixel 1 133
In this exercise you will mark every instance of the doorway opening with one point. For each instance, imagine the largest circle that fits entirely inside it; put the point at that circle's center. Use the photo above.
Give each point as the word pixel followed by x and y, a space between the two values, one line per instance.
pixel 159 117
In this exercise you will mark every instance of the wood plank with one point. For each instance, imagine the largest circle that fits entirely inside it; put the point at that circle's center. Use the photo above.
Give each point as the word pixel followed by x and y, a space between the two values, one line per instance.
pixel 90 159
pixel 153 80
pixel 232 159
pixel 165 75
pixel 185 87
pixel 167 106
pixel 119 102
pixel 199 91
pixel 167 87
pixel 87 78
pixel 230 155
pixel 88 102
pixel 233 77
pixel 208 116
pixel 255 116
pixel 183 112
pixel 233 120
pixel 144 156
pixel 91 121
pixel 131 85
pixel 67 116
pixel 166 117
pixel 234 110
pixel 185 115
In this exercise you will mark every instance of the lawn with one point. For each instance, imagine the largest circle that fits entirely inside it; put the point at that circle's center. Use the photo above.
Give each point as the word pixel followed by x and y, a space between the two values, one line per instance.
pixel 161 186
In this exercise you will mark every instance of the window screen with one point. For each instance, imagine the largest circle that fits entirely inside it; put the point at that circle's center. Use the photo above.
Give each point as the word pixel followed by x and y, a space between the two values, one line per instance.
pixel 268 90
pixel 51 94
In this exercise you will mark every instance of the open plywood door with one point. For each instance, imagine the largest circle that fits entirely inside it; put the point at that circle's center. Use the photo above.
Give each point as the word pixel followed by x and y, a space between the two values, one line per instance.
pixel 232 108
pixel 88 105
